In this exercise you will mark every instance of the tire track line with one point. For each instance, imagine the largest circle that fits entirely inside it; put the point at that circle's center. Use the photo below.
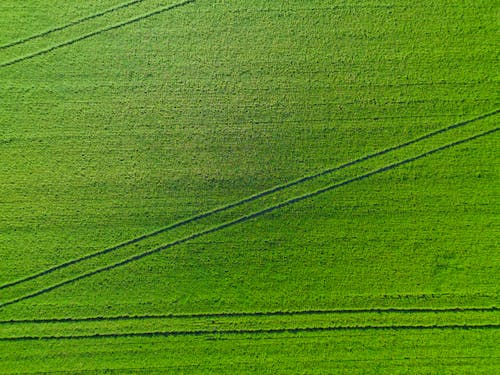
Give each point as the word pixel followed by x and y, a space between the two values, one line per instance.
pixel 70 24
pixel 253 314
pixel 246 218
pixel 94 33
pixel 251 199
pixel 295 330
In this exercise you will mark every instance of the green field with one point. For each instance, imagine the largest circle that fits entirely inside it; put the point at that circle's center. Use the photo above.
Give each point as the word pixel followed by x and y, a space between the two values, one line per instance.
pixel 269 187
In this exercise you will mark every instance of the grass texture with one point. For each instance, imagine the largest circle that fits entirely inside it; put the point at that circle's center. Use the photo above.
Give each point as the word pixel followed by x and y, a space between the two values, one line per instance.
pixel 249 186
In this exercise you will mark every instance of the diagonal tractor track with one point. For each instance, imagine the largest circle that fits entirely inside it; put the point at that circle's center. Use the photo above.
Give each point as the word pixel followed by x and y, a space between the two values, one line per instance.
pixel 70 24
pixel 90 34
pixel 250 208
pixel 255 197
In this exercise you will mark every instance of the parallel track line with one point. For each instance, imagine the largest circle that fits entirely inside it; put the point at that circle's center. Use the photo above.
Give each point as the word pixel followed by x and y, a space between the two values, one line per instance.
pixel 94 33
pixel 248 199
pixel 254 331
pixel 253 314
pixel 246 218
pixel 70 24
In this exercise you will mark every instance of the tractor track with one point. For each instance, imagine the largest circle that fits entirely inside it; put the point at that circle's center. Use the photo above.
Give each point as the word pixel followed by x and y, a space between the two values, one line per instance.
pixel 253 314
pixel 95 33
pixel 70 24
pixel 248 200
pixel 296 330
pixel 246 218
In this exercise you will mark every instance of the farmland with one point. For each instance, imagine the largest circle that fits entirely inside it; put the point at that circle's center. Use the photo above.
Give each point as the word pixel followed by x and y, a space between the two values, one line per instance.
pixel 249 186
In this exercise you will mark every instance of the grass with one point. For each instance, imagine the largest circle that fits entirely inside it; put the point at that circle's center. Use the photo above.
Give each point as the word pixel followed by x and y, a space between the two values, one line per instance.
pixel 130 130
pixel 32 19
pixel 378 352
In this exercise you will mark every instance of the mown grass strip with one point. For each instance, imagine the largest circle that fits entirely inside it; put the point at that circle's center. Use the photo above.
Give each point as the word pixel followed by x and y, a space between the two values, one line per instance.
pixel 248 199
pixel 94 33
pixel 256 331
pixel 248 217
pixel 253 314
pixel 70 24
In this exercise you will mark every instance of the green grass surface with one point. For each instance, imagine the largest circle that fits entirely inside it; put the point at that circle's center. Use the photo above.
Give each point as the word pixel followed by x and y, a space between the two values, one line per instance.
pixel 363 353
pixel 24 20
pixel 184 110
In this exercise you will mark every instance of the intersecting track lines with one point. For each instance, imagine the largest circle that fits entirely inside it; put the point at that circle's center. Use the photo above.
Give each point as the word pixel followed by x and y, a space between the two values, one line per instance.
pixel 246 200
pixel 246 218
pixel 96 32
pixel 70 24
pixel 297 330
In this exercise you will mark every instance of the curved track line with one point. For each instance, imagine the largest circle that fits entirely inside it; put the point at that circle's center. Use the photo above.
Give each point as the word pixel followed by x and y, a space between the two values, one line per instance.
pixel 253 314
pixel 94 33
pixel 70 24
pixel 255 331
pixel 245 218
pixel 249 199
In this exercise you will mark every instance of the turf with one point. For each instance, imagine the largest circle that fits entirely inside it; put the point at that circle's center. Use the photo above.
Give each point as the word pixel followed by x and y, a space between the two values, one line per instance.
pixel 127 122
